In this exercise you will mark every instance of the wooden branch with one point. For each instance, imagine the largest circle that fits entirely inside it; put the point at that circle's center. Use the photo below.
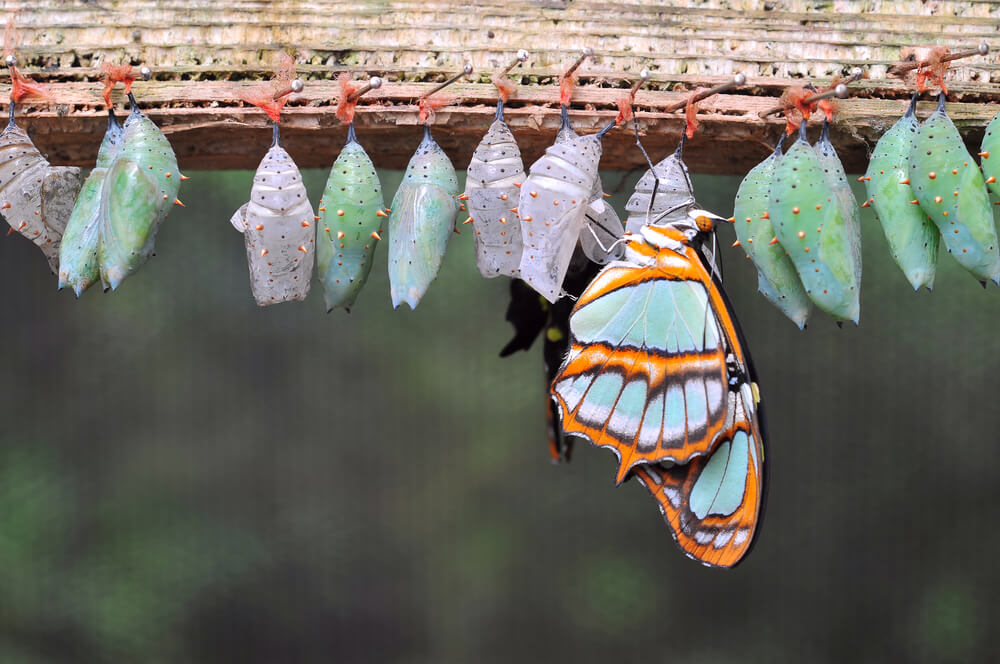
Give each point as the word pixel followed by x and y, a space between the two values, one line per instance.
pixel 202 52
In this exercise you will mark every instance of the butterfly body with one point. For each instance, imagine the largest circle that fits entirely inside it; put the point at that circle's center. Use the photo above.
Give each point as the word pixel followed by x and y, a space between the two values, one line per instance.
pixel 913 238
pixel 657 372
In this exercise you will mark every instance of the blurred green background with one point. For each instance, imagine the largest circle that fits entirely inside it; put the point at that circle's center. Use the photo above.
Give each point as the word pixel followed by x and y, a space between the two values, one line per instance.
pixel 185 477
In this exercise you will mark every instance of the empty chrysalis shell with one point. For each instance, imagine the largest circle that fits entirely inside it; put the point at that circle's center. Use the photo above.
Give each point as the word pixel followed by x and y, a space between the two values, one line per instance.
pixel 421 222
pixel 950 188
pixel 491 188
pixel 913 238
pixel 777 278
pixel 36 197
pixel 836 178
pixel 810 225
pixel 279 230
pixel 554 202
pixel 349 225
pixel 140 188
pixel 602 226
pixel 674 195
pixel 79 260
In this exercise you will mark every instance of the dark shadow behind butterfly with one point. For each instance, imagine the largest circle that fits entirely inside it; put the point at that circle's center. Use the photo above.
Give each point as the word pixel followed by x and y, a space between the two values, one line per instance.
pixel 532 315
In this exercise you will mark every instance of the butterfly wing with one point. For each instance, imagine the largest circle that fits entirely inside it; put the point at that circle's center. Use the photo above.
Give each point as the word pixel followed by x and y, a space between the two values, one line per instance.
pixel 714 503
pixel 646 375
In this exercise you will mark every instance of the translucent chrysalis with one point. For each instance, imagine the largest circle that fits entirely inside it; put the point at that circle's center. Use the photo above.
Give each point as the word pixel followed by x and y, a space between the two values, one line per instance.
pixel 421 222
pixel 36 198
pixel 278 228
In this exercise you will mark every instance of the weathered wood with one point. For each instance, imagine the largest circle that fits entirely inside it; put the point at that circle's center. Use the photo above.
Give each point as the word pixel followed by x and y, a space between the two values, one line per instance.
pixel 202 51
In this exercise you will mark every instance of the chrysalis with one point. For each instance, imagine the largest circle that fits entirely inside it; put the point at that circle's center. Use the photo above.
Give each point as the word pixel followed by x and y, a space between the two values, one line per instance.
pixel 602 227
pixel 140 187
pixel 79 262
pixel 950 188
pixel 277 227
pixel 991 145
pixel 491 189
pixel 662 195
pixel 836 178
pixel 777 279
pixel 809 223
pixel 36 198
pixel 554 203
pixel 421 222
pixel 913 238
pixel 350 222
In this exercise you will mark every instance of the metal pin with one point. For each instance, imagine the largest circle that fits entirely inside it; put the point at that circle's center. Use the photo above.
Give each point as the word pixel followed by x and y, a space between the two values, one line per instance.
pixel 11 60
pixel 903 67
pixel 643 78
pixel 465 72
pixel 522 56
pixel 587 52
pixel 294 86
pixel 738 80
pixel 146 73
pixel 373 84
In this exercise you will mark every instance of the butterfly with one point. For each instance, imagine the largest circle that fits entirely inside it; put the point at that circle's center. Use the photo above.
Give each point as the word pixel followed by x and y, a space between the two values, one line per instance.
pixel 659 373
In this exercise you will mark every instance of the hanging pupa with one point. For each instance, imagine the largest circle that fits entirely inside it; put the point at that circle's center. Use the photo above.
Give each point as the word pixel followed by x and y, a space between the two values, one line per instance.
pixel 809 223
pixel 602 226
pixel 777 279
pixel 277 222
pixel 554 203
pixel 991 146
pixel 36 198
pixel 949 186
pixel 662 195
pixel 491 190
pixel 350 213
pixel 836 178
pixel 913 238
pixel 423 214
pixel 79 260
pixel 139 190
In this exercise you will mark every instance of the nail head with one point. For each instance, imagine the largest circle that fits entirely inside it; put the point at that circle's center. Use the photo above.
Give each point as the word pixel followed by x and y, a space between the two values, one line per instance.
pixel 297 85
pixel 146 73
pixel 841 90
pixel 375 82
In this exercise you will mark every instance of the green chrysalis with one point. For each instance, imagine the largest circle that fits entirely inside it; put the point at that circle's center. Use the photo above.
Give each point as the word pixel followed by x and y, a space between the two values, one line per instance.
pixel 950 188
pixel 841 188
pixel 991 145
pixel 79 263
pixel 349 225
pixel 777 278
pixel 139 189
pixel 421 222
pixel 913 238
pixel 809 223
